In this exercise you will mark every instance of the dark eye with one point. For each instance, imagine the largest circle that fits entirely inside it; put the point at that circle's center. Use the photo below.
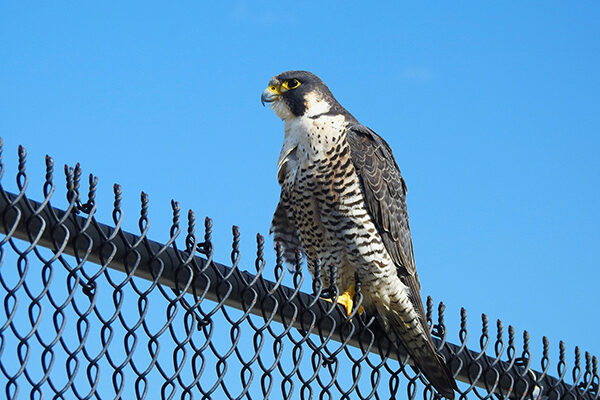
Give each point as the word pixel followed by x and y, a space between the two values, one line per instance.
pixel 292 84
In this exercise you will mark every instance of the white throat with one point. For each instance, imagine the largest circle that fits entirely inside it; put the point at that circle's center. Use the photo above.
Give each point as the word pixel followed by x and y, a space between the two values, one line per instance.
pixel 309 136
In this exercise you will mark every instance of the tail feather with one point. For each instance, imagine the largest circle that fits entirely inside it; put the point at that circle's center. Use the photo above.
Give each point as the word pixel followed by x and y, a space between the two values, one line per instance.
pixel 436 371
pixel 419 347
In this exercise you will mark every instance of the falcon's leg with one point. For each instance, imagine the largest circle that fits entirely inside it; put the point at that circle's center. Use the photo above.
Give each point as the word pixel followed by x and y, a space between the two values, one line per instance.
pixel 346 299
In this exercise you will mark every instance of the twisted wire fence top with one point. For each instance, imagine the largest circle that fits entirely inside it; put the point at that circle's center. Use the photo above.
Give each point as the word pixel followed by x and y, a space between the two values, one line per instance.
pixel 93 311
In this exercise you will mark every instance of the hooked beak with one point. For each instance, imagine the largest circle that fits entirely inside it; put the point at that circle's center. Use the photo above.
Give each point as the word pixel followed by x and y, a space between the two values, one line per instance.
pixel 270 94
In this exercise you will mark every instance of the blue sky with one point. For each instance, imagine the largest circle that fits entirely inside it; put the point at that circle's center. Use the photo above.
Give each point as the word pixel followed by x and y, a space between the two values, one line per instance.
pixel 491 109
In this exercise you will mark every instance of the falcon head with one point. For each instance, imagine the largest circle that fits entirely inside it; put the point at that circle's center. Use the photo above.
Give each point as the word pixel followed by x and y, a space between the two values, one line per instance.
pixel 296 93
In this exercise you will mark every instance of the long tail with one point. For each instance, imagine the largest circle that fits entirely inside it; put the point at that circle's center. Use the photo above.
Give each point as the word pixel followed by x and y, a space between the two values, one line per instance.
pixel 409 331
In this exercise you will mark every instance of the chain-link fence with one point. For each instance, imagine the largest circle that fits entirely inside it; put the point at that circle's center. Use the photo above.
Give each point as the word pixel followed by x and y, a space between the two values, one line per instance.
pixel 92 311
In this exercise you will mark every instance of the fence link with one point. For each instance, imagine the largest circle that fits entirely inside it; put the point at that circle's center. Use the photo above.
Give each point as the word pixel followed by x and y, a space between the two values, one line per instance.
pixel 92 311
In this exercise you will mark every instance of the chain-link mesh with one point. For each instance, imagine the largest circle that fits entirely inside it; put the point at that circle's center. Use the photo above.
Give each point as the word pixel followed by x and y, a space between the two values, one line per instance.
pixel 92 311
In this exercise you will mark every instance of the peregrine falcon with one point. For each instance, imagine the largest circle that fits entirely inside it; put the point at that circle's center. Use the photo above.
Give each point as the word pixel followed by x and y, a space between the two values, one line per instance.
pixel 343 202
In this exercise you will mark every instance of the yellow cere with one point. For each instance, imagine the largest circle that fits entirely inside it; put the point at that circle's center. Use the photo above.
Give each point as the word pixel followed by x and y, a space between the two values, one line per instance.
pixel 273 89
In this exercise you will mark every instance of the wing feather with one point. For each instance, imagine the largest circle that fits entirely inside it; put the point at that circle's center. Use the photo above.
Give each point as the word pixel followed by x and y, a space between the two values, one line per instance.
pixel 384 191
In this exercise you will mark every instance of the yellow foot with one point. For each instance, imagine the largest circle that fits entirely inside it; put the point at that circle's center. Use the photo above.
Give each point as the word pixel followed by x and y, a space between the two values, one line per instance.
pixel 346 299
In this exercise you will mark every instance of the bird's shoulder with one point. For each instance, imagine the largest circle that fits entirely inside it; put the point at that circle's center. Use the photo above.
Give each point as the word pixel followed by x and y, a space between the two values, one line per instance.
pixel 370 149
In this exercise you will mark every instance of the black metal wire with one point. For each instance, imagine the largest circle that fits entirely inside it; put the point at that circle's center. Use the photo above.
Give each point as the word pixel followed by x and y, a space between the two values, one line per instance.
pixel 92 311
